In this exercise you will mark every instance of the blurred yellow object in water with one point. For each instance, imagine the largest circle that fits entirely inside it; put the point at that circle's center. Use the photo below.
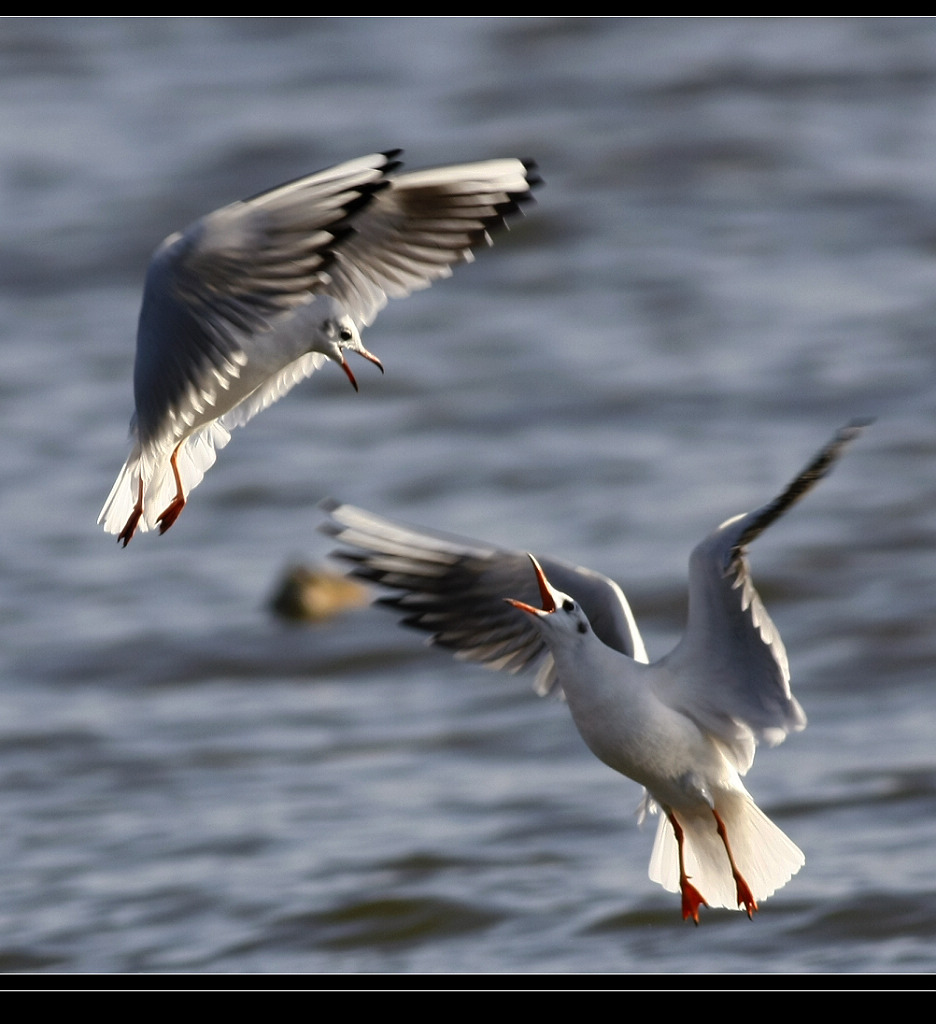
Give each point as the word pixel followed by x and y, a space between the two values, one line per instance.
pixel 316 595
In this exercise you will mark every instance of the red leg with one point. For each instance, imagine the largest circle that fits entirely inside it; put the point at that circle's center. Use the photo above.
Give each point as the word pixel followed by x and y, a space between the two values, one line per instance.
pixel 691 897
pixel 171 513
pixel 129 529
pixel 745 897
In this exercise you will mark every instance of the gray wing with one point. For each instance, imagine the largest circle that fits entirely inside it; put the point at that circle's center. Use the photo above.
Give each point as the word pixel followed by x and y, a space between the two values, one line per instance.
pixel 455 589
pixel 730 670
pixel 420 226
pixel 350 232
pixel 231 273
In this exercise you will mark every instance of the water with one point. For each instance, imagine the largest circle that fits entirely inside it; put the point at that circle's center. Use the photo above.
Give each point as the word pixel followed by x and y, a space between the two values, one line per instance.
pixel 734 253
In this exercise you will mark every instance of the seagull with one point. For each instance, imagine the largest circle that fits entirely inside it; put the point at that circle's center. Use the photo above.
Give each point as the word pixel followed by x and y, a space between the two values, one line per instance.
pixel 684 727
pixel 251 299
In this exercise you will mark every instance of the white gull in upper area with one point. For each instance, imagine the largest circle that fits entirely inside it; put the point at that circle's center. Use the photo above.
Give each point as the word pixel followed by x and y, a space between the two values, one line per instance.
pixel 251 299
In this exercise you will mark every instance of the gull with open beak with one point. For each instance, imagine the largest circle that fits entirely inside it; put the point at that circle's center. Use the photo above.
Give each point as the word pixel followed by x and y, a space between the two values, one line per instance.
pixel 251 299
pixel 685 727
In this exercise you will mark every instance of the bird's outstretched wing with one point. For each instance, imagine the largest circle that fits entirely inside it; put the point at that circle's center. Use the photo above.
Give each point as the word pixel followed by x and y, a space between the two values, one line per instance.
pixel 730 671
pixel 415 230
pixel 229 274
pixel 455 589
pixel 352 232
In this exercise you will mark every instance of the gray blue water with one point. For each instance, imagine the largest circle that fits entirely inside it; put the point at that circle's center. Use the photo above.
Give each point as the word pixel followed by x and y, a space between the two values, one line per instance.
pixel 733 254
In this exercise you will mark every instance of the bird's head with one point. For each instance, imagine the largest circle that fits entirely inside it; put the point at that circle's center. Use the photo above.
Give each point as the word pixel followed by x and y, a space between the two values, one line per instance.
pixel 560 613
pixel 340 333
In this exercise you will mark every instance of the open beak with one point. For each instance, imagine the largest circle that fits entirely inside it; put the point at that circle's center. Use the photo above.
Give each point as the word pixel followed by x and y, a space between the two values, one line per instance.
pixel 369 356
pixel 549 603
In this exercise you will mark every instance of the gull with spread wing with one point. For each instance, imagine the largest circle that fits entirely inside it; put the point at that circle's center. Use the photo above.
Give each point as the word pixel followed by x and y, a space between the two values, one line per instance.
pixel 253 298
pixel 684 727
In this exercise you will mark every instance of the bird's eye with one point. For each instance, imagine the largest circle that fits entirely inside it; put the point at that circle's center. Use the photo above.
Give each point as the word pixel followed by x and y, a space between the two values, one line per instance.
pixel 345 334
pixel 567 605
pixel 582 628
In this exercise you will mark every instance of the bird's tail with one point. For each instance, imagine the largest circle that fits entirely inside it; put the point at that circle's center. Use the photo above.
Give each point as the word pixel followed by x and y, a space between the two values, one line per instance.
pixel 195 457
pixel 765 857
pixel 119 504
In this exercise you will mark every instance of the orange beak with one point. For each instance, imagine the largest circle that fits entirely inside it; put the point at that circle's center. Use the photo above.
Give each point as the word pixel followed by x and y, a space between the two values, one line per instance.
pixel 369 356
pixel 549 605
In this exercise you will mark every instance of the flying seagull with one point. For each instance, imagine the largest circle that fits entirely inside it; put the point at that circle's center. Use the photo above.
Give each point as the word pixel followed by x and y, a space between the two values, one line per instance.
pixel 684 727
pixel 251 299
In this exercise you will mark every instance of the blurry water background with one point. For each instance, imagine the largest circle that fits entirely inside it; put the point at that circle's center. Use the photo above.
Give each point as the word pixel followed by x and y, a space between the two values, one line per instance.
pixel 733 254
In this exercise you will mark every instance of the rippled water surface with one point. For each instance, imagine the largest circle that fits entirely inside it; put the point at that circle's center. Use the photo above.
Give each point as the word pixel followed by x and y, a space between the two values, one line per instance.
pixel 734 253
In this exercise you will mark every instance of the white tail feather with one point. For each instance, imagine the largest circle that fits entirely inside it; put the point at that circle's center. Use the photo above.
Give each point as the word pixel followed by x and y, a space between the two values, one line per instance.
pixel 120 501
pixel 766 858
pixel 196 456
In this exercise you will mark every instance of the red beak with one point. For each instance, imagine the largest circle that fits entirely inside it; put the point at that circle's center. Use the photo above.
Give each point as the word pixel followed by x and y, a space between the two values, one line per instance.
pixel 369 356
pixel 549 605
pixel 349 374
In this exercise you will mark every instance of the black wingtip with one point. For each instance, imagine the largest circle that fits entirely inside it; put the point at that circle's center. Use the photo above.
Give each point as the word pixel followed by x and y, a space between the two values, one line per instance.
pixel 392 164
pixel 828 455
pixel 534 179
pixel 854 427
pixel 820 466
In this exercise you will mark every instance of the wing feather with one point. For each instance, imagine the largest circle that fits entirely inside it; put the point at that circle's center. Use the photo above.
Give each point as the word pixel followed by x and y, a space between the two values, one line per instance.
pixel 455 588
pixel 740 691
